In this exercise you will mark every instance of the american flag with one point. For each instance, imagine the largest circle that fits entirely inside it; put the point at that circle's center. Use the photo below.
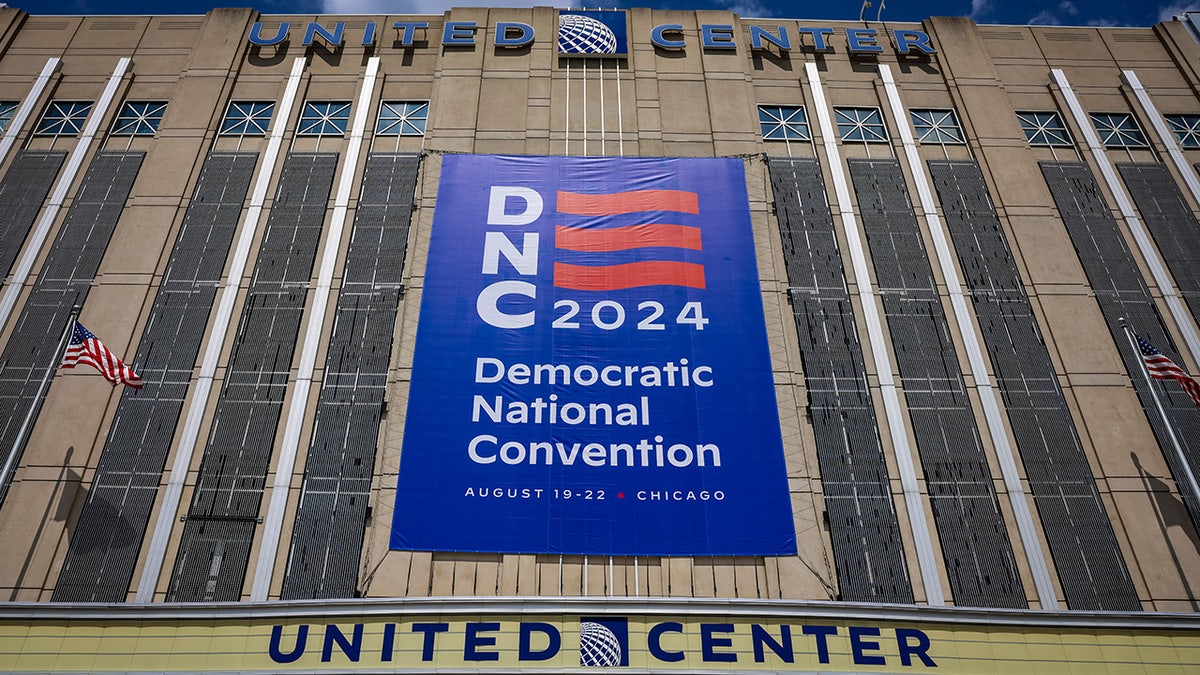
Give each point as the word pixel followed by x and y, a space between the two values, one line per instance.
pixel 87 349
pixel 1162 368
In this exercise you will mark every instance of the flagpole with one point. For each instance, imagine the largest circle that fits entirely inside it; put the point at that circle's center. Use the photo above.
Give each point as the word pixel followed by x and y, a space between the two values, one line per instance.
pixel 1184 466
pixel 18 444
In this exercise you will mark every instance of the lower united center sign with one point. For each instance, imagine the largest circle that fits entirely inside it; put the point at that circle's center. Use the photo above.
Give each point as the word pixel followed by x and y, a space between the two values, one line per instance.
pixel 591 372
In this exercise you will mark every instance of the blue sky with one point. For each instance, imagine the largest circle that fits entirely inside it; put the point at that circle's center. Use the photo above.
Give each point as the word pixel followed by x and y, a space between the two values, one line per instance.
pixel 1045 12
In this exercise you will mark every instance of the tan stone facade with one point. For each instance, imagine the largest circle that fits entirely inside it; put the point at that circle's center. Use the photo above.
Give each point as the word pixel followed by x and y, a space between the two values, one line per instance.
pixel 692 102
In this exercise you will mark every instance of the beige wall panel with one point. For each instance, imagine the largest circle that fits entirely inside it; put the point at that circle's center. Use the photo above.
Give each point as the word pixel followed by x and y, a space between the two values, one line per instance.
pixel 420 58
pixel 672 61
pixel 678 576
pixel 527 575
pixel 487 574
pixel 709 575
pixel 1113 420
pixel 341 62
pixel 418 566
pixel 1044 247
pixel 1076 320
pixel 571 576
pixel 515 60
pixel 138 244
pixel 1059 44
pixel 1130 45
pixel 442 575
pixel 682 110
pixel 504 103
pixel 1164 542
pixel 76 406
pixel 165 67
pixel 747 574
pixel 597 569
pixel 782 93
pixel 1017 177
pixel 151 88
pixel 457 102
pixel 769 68
pixel 270 65
pixel 967 50
pixel 18 71
pixel 732 108
pixel 34 525
pixel 343 88
pixel 852 94
pixel 1027 76
pixel 989 114
pixel 1104 76
pixel 172 32
pixel 1173 102
pixel 169 164
pixel 45 33
pixel 222 38
pixel 106 35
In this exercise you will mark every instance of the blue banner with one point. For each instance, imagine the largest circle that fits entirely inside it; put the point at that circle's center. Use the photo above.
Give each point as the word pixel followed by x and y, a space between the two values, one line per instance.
pixel 591 372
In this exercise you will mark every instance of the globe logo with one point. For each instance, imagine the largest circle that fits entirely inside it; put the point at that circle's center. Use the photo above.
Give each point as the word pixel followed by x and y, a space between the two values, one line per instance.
pixel 598 646
pixel 584 35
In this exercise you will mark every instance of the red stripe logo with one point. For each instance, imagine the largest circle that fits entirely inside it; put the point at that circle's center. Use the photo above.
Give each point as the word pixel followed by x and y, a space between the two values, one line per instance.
pixel 623 275
pixel 628 275
pixel 626 238
pixel 616 203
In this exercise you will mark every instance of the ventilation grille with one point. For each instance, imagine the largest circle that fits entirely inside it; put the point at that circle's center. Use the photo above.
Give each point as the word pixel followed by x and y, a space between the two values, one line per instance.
pixel 104 549
pixel 867 547
pixel 65 280
pixel 1121 292
pixel 215 548
pixel 979 557
pixel 331 520
pixel 1091 571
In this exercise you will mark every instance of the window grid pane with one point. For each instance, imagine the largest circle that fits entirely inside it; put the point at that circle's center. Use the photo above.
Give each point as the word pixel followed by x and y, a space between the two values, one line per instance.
pixel 783 123
pixel 324 119
pixel 1044 129
pixel 863 125
pixel 7 110
pixel 402 118
pixel 1118 130
pixel 64 118
pixel 248 118
pixel 937 126
pixel 139 118
pixel 1186 128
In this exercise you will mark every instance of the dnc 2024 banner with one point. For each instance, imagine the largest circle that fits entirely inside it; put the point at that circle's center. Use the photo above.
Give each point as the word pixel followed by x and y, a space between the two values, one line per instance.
pixel 591 373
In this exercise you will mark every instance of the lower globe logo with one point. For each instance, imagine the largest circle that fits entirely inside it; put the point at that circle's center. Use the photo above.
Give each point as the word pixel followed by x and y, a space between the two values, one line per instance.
pixel 598 645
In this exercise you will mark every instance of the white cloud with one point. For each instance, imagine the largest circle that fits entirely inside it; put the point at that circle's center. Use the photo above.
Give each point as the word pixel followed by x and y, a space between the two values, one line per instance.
pixel 1104 23
pixel 979 8
pixel 1068 7
pixel 1044 18
pixel 1168 12
pixel 746 8
pixel 422 6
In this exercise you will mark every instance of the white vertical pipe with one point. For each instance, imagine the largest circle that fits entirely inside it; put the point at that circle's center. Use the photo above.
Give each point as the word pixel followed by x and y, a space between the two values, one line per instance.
pixel 157 551
pixel 926 560
pixel 620 119
pixel 273 524
pixel 567 113
pixel 41 231
pixel 1161 279
pixel 26 107
pixel 1160 127
pixel 983 384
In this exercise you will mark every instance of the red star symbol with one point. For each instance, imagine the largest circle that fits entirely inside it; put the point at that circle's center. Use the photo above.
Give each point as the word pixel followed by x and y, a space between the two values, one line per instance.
pixel 620 495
